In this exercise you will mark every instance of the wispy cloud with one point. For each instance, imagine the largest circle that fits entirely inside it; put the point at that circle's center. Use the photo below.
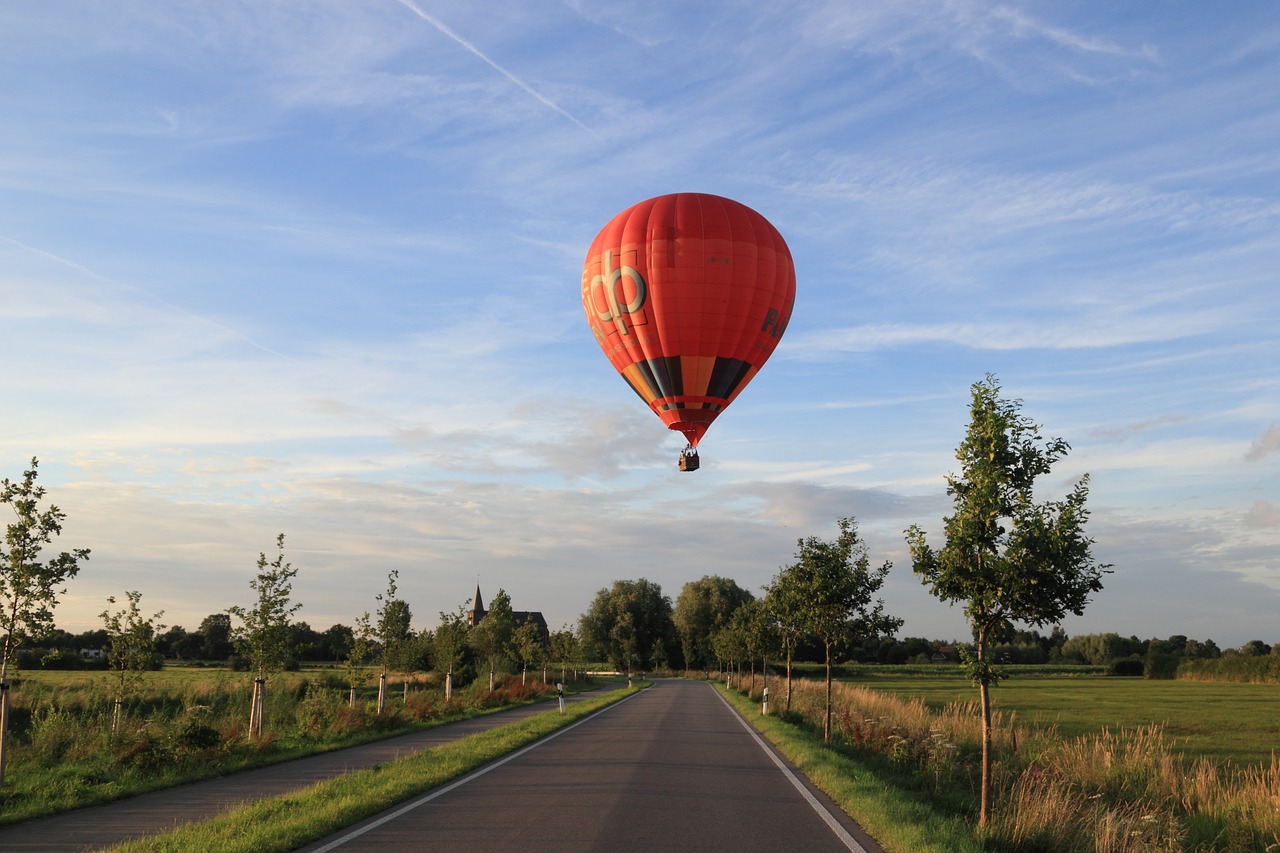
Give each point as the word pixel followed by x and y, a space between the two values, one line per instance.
pixel 1081 332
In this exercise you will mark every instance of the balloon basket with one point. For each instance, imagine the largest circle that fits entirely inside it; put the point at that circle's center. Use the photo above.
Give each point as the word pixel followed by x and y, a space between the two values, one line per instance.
pixel 689 459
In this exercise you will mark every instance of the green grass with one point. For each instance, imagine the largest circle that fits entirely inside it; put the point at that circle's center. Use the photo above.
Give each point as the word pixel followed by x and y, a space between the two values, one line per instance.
pixel 292 820
pixel 1236 723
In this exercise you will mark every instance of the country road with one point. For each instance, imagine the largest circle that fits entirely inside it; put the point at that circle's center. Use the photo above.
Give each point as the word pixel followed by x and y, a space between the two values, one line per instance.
pixel 673 768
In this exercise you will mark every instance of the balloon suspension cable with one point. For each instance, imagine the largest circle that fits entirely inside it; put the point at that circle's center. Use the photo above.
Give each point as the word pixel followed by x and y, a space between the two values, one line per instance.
pixel 688 458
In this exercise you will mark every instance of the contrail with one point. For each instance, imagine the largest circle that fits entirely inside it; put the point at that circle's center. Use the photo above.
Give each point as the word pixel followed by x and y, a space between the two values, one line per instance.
pixel 439 25
pixel 81 268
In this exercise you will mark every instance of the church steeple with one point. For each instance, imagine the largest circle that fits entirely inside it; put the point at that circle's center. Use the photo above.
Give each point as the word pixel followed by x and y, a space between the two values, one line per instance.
pixel 477 611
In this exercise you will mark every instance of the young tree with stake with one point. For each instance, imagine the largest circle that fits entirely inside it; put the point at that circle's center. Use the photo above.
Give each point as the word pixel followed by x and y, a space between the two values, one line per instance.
pixel 450 646
pixel 830 586
pixel 29 588
pixel 1006 557
pixel 131 642
pixel 492 637
pixel 262 638
pixel 393 632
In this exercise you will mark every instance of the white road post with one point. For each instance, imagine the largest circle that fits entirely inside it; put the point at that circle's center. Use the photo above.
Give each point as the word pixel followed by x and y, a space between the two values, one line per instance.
pixel 764 707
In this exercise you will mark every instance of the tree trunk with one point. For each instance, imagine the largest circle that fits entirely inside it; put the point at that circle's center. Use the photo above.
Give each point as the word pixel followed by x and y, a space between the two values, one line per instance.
pixel 115 716
pixel 826 726
pixel 490 678
pixel 405 698
pixel 448 686
pixel 4 725
pixel 788 710
pixel 984 694
pixel 351 702
pixel 262 706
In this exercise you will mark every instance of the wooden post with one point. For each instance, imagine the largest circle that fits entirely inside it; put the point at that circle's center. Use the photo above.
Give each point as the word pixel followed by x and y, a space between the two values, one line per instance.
pixel 382 691
pixel 255 709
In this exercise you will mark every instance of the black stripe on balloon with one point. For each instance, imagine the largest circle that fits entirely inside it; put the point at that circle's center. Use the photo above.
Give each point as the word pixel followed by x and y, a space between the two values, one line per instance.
pixel 726 376
pixel 663 375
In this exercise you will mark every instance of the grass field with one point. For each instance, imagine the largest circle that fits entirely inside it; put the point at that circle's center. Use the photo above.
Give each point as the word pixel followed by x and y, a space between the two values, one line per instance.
pixel 1236 723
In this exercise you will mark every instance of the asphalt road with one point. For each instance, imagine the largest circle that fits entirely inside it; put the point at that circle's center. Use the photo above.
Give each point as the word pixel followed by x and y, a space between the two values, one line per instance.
pixel 672 768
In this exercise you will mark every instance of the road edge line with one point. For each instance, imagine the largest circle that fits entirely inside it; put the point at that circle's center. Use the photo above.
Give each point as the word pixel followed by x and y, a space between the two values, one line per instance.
pixel 823 812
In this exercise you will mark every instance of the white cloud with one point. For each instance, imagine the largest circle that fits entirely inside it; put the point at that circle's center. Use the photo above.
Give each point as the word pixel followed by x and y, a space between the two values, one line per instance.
pixel 1262 514
pixel 1266 445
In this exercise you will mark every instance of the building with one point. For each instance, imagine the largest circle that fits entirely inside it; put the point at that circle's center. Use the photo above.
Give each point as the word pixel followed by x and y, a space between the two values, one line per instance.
pixel 518 617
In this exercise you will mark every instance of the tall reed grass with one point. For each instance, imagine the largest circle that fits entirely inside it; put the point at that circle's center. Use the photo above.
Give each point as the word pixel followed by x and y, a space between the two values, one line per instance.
pixel 1123 791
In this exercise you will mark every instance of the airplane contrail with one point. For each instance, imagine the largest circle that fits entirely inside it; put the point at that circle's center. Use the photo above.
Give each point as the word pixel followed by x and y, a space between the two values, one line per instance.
pixel 164 303
pixel 439 25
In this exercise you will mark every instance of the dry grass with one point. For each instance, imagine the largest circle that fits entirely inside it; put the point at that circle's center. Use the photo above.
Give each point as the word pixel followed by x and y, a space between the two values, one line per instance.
pixel 1119 791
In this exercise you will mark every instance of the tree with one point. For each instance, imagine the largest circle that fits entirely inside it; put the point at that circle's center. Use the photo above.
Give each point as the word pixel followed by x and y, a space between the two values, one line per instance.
pixel 1006 557
pixel 729 645
pixel 528 646
pixel 216 631
pixel 704 607
pixel 262 638
pixel 565 649
pixel 1254 649
pixel 358 655
pixel 335 642
pixel 393 632
pixel 784 605
pixel 492 637
pixel 131 648
pixel 759 636
pixel 450 646
pixel 631 625
pixel 831 584
pixel 29 588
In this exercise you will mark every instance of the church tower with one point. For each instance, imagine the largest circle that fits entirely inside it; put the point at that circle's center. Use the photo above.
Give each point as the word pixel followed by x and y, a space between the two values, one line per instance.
pixel 477 611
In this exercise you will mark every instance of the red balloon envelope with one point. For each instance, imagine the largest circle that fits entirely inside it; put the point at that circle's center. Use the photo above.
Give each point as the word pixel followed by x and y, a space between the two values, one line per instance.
pixel 688 295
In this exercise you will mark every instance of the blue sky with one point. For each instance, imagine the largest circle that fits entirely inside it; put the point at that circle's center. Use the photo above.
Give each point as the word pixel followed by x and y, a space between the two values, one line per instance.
pixel 313 268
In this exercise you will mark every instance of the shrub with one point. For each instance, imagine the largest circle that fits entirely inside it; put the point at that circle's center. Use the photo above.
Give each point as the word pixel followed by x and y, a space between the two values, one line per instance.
pixel 1127 667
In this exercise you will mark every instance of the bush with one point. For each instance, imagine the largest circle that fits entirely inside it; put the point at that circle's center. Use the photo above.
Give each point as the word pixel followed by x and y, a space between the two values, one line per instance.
pixel 1161 666
pixel 1128 667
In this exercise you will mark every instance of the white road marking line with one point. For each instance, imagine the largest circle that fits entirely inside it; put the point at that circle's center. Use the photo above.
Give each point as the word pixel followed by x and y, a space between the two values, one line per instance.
pixel 827 817
pixel 458 783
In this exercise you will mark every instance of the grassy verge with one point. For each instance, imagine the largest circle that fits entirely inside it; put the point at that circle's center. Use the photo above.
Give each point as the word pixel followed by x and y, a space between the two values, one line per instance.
pixel 896 819
pixel 185 730
pixel 290 821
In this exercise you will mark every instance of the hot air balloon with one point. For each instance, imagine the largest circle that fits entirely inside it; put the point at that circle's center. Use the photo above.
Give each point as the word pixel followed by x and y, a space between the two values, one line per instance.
pixel 688 295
